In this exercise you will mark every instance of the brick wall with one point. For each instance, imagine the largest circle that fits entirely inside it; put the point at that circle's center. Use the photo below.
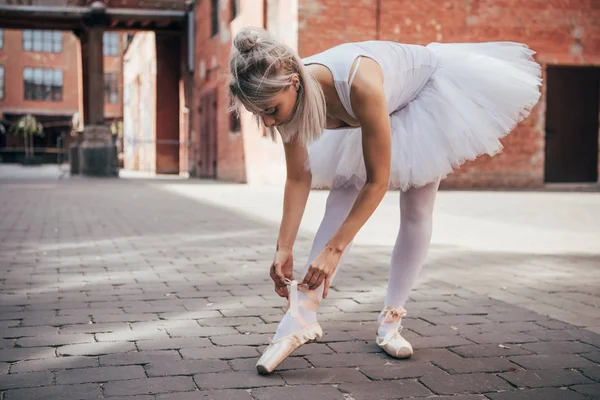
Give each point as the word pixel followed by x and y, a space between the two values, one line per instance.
pixel 210 73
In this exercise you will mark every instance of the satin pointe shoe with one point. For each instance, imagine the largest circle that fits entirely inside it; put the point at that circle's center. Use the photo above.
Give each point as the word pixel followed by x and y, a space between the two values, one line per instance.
pixel 393 343
pixel 280 349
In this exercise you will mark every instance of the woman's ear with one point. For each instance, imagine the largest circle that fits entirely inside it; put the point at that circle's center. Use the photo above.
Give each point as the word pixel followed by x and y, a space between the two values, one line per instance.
pixel 296 82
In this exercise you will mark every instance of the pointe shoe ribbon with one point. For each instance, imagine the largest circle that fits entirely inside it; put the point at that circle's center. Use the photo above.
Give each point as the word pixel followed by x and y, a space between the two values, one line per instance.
pixel 392 315
pixel 293 302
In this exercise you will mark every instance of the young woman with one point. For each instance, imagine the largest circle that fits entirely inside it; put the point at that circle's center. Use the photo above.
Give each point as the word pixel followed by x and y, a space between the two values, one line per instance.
pixel 362 118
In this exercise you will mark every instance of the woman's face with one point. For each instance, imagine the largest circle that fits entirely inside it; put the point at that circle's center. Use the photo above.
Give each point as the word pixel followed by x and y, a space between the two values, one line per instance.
pixel 279 111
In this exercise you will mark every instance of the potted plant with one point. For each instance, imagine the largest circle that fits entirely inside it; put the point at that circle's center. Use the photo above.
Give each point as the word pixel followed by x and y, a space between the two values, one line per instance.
pixel 28 127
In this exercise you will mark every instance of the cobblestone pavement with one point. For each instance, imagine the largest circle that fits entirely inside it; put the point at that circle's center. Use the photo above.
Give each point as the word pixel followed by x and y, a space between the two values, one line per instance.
pixel 158 290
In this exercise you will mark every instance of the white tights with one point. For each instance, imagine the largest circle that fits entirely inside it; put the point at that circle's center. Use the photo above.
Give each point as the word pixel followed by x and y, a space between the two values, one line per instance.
pixel 408 255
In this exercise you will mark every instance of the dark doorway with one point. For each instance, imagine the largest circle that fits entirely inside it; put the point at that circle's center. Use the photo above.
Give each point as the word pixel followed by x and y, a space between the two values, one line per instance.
pixel 208 135
pixel 573 95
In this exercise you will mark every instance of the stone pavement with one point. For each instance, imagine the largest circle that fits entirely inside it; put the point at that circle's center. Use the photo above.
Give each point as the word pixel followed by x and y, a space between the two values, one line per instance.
pixel 158 290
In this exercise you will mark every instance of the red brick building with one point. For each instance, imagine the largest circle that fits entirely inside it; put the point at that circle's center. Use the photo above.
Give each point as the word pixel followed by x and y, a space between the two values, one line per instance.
pixel 41 75
pixel 558 143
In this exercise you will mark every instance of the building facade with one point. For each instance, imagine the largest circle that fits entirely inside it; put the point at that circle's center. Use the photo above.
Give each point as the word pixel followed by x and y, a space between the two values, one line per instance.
pixel 40 74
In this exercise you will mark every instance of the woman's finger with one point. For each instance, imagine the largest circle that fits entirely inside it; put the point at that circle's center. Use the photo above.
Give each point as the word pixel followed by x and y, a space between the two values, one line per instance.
pixel 320 279
pixel 326 289
pixel 307 277
pixel 316 277
pixel 281 291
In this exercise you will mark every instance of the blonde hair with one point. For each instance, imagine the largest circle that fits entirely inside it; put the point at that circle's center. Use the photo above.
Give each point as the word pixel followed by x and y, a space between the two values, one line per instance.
pixel 261 67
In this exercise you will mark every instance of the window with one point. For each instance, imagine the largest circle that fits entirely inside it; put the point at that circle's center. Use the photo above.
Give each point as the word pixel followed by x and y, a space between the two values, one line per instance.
pixel 43 84
pixel 234 6
pixel 111 87
pixel 214 13
pixel 42 41
pixel 1 83
pixel 1 38
pixel 110 43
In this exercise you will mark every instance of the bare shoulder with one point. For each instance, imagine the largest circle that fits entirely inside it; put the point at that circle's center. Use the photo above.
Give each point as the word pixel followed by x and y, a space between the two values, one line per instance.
pixel 367 85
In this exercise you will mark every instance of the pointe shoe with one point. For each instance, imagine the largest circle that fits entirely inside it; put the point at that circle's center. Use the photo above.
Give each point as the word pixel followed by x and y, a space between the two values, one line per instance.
pixel 279 350
pixel 393 343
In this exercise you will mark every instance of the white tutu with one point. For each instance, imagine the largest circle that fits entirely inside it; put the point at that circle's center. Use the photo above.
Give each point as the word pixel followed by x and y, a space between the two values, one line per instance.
pixel 476 95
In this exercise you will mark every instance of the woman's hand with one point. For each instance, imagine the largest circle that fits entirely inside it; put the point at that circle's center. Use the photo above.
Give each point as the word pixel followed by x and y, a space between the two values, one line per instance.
pixel 322 269
pixel 281 269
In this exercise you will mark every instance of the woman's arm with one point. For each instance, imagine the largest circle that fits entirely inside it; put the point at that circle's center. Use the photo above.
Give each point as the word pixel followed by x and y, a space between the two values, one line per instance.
pixel 369 105
pixel 297 189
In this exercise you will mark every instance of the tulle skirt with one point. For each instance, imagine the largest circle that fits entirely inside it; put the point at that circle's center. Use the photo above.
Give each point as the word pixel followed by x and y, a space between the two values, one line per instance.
pixel 476 95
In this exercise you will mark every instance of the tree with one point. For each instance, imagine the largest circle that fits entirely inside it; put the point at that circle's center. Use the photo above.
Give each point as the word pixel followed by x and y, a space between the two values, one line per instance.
pixel 28 127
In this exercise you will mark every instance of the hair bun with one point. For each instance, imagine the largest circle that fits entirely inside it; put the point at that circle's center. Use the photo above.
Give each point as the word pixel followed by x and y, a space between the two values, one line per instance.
pixel 248 38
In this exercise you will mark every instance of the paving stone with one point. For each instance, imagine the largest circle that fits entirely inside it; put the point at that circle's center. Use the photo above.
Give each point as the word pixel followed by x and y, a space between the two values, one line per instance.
pixel 537 394
pixel 54 340
pixel 30 353
pixel 95 349
pixel 227 394
pixel 553 324
pixel 592 372
pixel 186 367
pixel 175 343
pixel 354 347
pixel 516 316
pixel 131 336
pixel 335 336
pixel 592 391
pixel 55 321
pixel 31 379
pixel 552 361
pixel 240 340
pixel 94 328
pixel 347 360
pixel 4 367
pixel 29 331
pixel 225 353
pixel 236 380
pixel 149 386
pixel 400 370
pixel 490 350
pixel 265 328
pixel 437 341
pixel 201 331
pixel 593 356
pixel 545 378
pixel 559 347
pixel 72 392
pixel 108 318
pixel 140 358
pixel 456 319
pixel 501 337
pixel 54 364
pixel 315 376
pixel 141 397
pixel 102 374
pixel 384 390
pixel 464 383
pixel 461 365
pixel 317 392
pixel 249 364
pixel 184 314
